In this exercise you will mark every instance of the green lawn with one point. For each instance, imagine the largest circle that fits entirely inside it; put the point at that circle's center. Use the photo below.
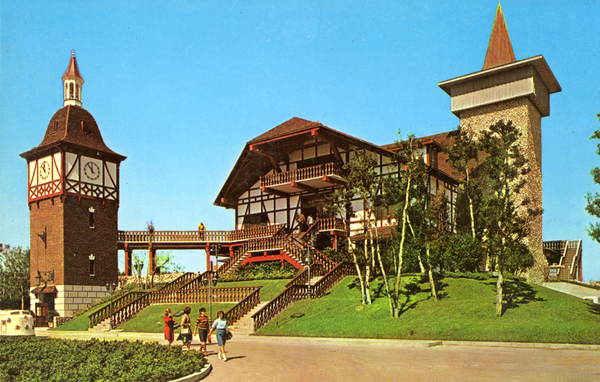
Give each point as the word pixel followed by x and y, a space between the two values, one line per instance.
pixel 150 320
pixel 270 289
pixel 464 312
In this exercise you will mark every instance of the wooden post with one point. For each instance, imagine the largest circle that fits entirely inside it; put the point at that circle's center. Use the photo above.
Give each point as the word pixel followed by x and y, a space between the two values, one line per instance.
pixel 128 260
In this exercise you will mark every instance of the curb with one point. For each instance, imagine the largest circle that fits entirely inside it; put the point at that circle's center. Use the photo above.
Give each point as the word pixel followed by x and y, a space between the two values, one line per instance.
pixel 196 376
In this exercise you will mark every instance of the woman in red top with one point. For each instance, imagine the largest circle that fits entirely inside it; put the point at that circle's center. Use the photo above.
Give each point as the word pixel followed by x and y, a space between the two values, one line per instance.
pixel 169 323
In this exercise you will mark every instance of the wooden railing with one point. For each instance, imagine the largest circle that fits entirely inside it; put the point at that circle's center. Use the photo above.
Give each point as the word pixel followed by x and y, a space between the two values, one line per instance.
pixel 279 304
pixel 300 279
pixel 196 236
pixel 300 174
pixel 297 292
pixel 326 224
pixel 187 296
pixel 243 307
pixel 181 281
pixel 104 313
pixel 237 256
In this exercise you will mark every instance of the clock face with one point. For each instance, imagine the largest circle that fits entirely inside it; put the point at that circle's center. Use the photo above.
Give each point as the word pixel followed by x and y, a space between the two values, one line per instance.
pixel 91 171
pixel 45 170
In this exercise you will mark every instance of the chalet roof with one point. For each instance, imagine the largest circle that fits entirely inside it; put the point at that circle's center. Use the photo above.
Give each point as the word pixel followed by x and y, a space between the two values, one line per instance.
pixel 291 126
pixel 276 143
pixel 73 125
pixel 500 50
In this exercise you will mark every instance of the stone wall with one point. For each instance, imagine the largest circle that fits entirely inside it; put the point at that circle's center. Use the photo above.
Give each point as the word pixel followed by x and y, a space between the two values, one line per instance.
pixel 523 114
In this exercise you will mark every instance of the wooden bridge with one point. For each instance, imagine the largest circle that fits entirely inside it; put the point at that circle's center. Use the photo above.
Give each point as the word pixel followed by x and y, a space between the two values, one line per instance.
pixel 232 247
pixel 222 243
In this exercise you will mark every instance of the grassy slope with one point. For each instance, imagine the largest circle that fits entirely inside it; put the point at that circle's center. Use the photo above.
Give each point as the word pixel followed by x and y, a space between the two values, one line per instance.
pixel 270 289
pixel 465 312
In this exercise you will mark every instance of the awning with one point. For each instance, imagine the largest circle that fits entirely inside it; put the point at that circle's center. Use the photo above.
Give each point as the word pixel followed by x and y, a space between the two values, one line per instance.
pixel 44 289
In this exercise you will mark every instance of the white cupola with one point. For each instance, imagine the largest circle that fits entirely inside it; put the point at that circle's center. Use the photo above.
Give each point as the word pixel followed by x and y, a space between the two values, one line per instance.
pixel 72 83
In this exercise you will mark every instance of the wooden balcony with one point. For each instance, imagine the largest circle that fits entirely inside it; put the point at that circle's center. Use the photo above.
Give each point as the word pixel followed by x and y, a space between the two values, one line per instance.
pixel 308 179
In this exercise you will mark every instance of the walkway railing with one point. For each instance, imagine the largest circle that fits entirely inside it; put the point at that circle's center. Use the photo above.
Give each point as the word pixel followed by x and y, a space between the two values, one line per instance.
pixel 198 236
pixel 301 174
pixel 297 292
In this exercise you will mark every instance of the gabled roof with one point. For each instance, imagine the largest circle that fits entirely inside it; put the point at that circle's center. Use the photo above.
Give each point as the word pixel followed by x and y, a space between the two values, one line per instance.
pixel 259 153
pixel 500 50
pixel 291 126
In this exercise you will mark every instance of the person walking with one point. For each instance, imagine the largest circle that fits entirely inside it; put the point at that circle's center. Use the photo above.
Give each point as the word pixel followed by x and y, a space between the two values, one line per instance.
pixel 186 328
pixel 220 325
pixel 169 324
pixel 201 327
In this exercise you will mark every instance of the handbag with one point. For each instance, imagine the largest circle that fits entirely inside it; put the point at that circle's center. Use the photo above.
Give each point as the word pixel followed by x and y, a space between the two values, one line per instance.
pixel 228 335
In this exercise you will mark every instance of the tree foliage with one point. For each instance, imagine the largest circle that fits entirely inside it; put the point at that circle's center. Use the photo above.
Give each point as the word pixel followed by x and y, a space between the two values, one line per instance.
pixel 14 277
pixel 593 200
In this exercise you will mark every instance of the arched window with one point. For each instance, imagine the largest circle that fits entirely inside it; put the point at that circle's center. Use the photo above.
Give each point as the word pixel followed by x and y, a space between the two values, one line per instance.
pixel 70 90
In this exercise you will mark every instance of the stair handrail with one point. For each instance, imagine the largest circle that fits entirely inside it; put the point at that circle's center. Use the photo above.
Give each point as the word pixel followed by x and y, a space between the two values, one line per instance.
pixel 243 307
pixel 103 313
pixel 300 279
pixel 577 254
pixel 278 304
pixel 297 292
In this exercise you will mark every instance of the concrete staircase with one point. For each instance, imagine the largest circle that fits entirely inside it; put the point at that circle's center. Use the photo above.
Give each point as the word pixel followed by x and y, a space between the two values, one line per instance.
pixel 245 326
pixel 104 326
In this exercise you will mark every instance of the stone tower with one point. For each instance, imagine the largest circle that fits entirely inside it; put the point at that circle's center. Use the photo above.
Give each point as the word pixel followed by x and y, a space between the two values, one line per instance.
pixel 73 197
pixel 509 90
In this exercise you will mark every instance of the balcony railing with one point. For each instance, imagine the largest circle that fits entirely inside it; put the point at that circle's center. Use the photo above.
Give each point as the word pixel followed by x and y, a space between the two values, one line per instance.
pixel 301 174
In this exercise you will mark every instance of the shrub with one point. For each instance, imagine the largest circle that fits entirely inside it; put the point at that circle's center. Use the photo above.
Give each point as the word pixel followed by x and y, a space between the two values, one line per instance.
pixel 53 359
pixel 269 270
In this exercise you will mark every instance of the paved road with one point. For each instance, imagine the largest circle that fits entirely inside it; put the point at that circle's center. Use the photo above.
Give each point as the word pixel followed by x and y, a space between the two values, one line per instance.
pixel 314 359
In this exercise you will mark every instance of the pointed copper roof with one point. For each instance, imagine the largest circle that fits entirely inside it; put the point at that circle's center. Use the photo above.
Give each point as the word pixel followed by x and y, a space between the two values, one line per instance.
pixel 500 49
pixel 72 70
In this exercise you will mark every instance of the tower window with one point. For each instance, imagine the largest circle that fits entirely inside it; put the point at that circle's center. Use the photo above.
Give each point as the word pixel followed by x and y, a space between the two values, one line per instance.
pixel 92 259
pixel 91 217
pixel 71 90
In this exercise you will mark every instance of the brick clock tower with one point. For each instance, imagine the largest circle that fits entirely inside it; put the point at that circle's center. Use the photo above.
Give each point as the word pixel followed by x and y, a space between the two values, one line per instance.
pixel 510 90
pixel 73 197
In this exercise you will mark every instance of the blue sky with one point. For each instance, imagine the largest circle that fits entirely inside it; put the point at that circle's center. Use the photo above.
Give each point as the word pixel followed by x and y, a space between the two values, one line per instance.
pixel 180 86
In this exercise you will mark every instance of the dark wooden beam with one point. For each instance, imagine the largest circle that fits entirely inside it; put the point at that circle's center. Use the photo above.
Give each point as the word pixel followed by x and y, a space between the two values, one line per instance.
pixel 304 187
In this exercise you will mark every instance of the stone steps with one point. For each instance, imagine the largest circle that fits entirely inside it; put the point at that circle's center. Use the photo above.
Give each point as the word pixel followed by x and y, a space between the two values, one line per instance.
pixel 245 325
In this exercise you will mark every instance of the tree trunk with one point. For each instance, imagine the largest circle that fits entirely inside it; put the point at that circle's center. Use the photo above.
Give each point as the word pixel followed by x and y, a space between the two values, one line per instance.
pixel 499 285
pixel 401 250
pixel 431 280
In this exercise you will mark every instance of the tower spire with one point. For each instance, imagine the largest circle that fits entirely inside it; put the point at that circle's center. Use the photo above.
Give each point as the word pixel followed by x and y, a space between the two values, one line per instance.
pixel 72 83
pixel 500 49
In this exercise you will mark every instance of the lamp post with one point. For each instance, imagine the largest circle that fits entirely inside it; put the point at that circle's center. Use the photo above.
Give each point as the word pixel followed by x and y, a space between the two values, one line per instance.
pixel 110 288
pixel 211 279
pixel 308 254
